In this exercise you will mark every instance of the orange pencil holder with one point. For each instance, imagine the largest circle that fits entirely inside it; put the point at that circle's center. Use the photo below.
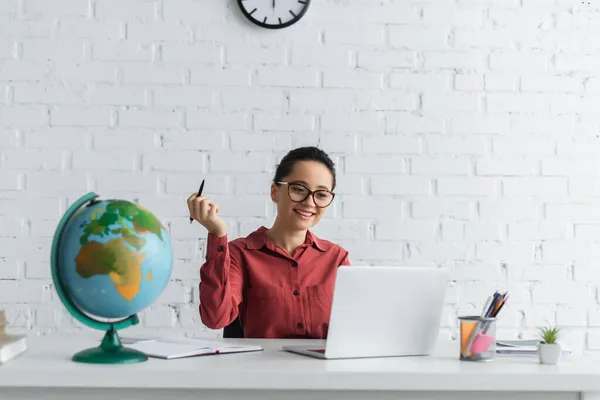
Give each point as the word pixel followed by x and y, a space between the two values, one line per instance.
pixel 477 338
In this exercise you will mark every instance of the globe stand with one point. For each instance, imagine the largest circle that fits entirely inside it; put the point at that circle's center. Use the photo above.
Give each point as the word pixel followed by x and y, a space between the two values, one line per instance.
pixel 110 351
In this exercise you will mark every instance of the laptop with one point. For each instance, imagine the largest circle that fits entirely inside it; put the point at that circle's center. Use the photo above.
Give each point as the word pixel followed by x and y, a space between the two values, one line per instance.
pixel 382 311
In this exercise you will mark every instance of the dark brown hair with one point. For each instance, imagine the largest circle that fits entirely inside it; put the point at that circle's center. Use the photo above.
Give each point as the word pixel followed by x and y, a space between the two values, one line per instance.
pixel 309 153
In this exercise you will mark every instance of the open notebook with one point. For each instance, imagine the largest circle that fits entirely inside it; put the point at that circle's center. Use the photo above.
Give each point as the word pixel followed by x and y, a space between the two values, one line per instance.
pixel 174 348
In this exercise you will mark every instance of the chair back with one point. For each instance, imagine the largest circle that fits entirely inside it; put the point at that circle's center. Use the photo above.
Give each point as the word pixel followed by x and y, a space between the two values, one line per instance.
pixel 234 330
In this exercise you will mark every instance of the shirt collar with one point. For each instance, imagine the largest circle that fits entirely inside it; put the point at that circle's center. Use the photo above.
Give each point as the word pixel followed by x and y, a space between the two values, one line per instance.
pixel 316 242
pixel 257 239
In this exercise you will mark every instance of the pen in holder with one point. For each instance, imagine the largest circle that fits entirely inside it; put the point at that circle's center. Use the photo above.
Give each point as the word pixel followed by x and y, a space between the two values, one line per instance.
pixel 477 338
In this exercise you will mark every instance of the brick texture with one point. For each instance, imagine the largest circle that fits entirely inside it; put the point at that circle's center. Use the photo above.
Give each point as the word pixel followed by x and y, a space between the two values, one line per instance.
pixel 466 135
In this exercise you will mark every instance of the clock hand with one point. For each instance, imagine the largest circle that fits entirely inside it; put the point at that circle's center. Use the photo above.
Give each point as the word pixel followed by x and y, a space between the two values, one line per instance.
pixel 273 4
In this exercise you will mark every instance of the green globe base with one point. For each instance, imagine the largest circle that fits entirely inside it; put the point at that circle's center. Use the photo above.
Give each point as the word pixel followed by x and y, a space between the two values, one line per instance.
pixel 110 351
pixel 97 355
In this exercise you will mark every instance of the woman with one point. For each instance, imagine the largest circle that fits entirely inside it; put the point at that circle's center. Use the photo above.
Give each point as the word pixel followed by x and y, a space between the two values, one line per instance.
pixel 279 281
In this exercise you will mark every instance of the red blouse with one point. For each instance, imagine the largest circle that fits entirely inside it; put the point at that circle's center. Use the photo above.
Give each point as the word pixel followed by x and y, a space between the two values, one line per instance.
pixel 274 294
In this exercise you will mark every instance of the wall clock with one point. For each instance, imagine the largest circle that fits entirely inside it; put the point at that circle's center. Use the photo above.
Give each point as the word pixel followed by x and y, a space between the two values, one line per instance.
pixel 274 14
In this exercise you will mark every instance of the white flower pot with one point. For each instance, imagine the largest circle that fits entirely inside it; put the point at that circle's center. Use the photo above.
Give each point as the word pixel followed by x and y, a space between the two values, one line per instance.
pixel 549 353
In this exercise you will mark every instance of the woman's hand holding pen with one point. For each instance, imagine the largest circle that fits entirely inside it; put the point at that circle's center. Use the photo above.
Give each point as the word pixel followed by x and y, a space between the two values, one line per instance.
pixel 205 212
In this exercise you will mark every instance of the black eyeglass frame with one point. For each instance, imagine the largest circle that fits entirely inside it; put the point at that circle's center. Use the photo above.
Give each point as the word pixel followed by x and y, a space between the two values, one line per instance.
pixel 310 193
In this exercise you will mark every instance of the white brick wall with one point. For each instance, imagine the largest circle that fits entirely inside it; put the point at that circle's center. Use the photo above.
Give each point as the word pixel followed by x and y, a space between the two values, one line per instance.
pixel 466 135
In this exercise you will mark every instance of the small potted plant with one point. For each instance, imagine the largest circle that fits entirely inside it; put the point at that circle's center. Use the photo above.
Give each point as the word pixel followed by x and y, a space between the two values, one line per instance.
pixel 549 350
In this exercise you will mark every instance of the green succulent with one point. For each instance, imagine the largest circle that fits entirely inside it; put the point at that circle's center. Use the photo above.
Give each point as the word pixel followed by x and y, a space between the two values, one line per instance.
pixel 549 335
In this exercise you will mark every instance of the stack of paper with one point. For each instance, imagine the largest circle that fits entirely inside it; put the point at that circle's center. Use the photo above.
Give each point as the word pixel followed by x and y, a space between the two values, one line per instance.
pixel 522 347
pixel 10 345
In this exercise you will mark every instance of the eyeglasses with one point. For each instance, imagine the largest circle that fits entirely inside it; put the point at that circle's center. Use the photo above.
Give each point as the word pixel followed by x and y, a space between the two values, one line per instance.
pixel 298 193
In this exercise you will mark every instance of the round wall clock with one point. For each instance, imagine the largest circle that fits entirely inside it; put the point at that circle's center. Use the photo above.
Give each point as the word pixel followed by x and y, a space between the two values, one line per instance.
pixel 274 14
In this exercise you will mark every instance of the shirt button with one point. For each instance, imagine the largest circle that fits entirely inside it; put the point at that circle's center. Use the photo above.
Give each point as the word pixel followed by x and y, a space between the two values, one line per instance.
pixel 221 248
pixel 300 326
pixel 294 264
pixel 296 292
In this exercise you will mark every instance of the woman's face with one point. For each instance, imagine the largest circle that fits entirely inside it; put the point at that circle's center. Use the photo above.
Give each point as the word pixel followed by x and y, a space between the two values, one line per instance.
pixel 302 215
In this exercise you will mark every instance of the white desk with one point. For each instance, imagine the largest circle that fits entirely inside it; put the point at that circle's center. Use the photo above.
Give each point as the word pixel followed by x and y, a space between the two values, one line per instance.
pixel 47 372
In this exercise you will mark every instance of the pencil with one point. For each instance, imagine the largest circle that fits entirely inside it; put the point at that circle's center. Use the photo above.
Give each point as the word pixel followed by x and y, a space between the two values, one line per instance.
pixel 199 194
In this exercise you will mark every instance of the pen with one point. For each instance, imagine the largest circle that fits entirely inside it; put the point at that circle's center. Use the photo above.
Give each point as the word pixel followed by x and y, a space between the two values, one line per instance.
pixel 501 305
pixel 486 306
pixel 495 300
pixel 199 194
pixel 497 306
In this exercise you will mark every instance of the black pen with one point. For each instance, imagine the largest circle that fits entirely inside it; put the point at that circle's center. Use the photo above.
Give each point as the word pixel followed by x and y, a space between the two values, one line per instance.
pixel 199 194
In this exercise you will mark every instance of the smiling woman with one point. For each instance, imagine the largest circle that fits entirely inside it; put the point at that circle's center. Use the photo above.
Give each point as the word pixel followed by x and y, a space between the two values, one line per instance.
pixel 277 281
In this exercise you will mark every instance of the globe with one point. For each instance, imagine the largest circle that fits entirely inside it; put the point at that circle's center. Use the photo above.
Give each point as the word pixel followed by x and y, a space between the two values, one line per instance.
pixel 110 260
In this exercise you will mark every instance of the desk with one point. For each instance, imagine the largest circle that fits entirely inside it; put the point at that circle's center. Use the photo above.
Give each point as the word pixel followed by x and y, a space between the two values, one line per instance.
pixel 46 371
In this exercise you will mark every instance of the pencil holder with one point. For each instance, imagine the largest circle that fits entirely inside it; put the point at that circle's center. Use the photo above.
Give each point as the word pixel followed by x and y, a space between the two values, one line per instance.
pixel 477 338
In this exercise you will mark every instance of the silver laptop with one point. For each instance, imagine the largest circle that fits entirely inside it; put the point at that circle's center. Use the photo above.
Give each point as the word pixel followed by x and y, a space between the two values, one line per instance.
pixel 382 312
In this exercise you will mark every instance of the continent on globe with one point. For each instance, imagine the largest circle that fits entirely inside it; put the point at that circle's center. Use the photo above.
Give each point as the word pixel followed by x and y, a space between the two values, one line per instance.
pixel 117 257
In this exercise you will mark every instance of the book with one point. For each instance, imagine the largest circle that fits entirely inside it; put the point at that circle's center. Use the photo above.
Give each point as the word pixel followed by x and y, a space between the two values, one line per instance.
pixel 11 346
pixel 522 347
pixel 172 349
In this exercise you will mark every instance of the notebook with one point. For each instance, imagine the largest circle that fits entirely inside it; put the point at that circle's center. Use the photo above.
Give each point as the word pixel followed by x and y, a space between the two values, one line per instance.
pixel 522 347
pixel 171 349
